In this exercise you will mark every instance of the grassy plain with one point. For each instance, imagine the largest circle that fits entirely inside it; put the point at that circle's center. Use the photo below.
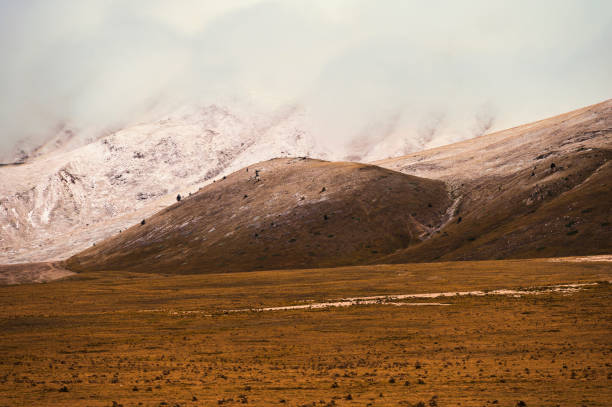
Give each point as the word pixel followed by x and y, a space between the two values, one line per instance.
pixel 112 338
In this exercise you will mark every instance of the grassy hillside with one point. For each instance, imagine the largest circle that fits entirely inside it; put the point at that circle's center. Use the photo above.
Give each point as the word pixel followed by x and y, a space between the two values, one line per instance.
pixel 538 190
pixel 541 212
pixel 283 213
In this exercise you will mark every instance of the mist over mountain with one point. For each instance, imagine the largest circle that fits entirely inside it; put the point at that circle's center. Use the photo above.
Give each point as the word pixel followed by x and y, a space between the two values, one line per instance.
pixel 111 109
pixel 394 75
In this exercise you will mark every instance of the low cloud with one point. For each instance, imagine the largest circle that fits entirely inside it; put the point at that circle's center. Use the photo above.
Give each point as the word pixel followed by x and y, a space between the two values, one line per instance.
pixel 398 72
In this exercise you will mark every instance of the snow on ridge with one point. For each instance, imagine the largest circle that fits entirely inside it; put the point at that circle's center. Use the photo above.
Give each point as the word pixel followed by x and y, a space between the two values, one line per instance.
pixel 62 202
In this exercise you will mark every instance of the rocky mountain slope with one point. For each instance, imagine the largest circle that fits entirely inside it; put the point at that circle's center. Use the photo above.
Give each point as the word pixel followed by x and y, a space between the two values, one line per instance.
pixel 65 200
pixel 283 213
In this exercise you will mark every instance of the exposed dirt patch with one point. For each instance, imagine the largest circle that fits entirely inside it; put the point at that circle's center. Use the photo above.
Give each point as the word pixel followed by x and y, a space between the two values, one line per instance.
pixel 580 259
pixel 32 273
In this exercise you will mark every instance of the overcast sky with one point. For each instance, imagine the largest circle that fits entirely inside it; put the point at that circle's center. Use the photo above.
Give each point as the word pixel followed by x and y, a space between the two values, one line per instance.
pixel 354 65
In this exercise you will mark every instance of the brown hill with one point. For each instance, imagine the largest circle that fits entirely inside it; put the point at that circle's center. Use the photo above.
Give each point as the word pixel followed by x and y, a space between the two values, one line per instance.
pixel 506 152
pixel 538 190
pixel 283 213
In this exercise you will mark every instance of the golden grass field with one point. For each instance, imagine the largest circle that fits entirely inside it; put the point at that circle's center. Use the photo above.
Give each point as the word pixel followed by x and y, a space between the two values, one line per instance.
pixel 117 338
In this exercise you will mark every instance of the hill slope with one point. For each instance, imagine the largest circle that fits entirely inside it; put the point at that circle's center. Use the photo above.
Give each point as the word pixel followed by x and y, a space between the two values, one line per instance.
pixel 61 202
pixel 508 151
pixel 537 190
pixel 283 213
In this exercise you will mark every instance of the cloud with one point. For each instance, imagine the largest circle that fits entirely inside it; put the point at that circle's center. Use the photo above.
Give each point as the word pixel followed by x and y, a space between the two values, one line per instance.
pixel 414 73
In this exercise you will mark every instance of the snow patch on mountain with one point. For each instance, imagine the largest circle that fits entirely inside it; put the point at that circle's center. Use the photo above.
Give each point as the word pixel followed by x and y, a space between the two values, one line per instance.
pixel 66 199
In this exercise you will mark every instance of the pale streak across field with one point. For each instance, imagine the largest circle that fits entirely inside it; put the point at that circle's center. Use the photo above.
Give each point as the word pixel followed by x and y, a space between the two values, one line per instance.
pixel 392 299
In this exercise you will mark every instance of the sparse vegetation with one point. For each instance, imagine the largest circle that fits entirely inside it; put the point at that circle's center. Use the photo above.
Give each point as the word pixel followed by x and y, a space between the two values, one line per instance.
pixel 119 338
pixel 231 213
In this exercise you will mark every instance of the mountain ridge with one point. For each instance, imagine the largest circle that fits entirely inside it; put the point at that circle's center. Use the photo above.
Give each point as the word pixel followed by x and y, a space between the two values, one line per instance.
pixel 60 204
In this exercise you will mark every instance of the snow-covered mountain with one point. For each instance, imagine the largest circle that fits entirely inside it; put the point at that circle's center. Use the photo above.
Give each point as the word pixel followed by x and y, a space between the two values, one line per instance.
pixel 64 200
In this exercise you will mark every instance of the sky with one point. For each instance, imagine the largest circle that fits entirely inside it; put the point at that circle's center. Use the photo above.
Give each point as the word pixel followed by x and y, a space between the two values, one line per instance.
pixel 432 72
